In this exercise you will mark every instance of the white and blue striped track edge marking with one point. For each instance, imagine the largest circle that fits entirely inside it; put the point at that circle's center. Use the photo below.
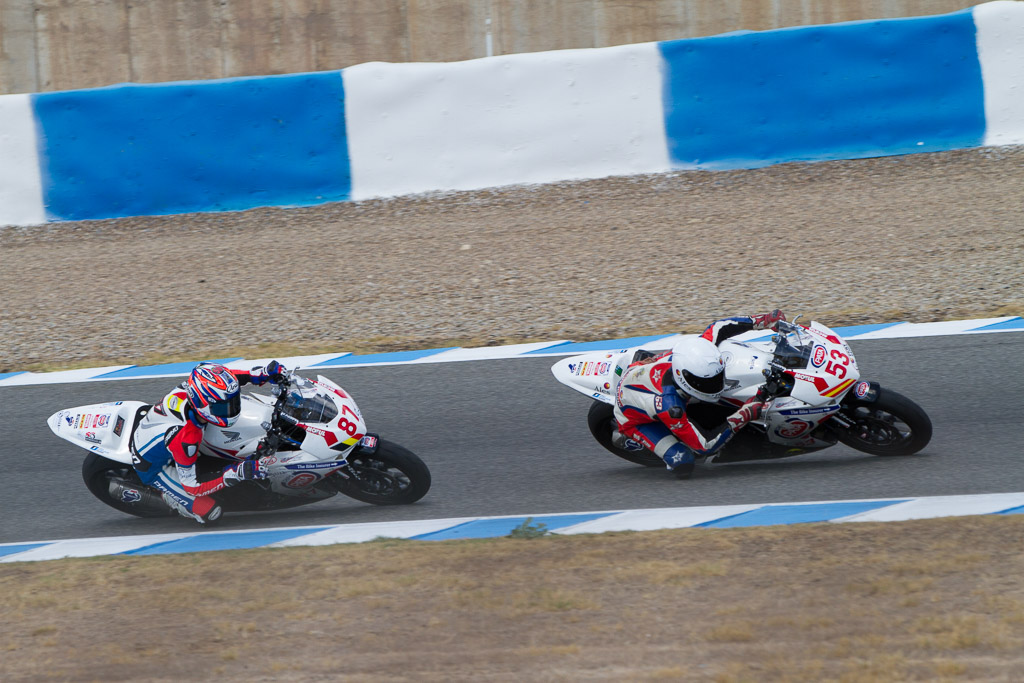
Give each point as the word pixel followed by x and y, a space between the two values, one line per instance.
pixel 716 517
pixel 890 330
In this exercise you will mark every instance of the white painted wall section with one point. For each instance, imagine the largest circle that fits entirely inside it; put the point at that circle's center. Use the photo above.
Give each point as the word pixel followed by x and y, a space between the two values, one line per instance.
pixel 515 119
pixel 1000 40
pixel 21 190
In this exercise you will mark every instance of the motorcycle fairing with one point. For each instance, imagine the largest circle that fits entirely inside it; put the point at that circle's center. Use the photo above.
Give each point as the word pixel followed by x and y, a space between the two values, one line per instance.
pixel 239 441
pixel 103 428
pixel 595 374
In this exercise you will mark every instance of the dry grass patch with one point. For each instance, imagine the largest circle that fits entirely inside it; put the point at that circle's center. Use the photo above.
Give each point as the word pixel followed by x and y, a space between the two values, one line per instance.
pixel 807 602
pixel 731 632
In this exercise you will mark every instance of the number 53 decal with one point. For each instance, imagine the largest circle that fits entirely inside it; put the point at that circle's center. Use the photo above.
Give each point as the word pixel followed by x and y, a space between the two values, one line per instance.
pixel 838 367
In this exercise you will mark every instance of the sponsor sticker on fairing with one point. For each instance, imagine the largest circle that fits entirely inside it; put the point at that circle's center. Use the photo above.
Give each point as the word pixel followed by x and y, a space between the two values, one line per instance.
pixel 316 465
pixel 301 480
pixel 118 425
pixel 818 356
pixel 793 428
pixel 809 411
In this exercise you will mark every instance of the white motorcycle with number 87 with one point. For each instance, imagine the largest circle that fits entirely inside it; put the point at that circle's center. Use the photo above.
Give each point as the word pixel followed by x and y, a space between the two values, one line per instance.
pixel 309 434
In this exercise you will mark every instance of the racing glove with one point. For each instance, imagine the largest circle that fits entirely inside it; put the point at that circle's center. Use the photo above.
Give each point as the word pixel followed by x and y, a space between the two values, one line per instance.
pixel 247 470
pixel 766 320
pixel 751 410
pixel 273 371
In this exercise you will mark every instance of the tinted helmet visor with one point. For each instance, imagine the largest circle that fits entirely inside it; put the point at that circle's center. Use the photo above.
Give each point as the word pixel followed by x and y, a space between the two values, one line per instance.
pixel 706 385
pixel 227 409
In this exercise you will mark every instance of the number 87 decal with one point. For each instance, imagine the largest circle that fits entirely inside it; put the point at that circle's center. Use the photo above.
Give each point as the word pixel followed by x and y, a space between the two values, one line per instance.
pixel 839 367
pixel 345 425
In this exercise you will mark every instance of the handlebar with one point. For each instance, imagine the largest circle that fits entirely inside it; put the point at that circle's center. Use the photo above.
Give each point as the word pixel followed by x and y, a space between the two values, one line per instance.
pixel 272 441
pixel 778 382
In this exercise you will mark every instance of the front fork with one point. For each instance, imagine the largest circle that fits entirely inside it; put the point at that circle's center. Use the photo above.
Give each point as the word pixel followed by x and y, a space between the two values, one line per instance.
pixel 863 393
pixel 366 447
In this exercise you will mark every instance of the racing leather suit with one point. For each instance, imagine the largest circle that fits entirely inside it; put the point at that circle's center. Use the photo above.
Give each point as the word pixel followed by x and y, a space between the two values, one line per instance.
pixel 165 457
pixel 650 409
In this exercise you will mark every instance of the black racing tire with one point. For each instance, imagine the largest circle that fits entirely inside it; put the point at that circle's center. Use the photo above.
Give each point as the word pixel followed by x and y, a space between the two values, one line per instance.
pixel 891 425
pixel 392 475
pixel 601 420
pixel 98 473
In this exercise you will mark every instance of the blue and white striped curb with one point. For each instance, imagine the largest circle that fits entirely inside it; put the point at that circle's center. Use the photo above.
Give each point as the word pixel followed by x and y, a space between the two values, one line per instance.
pixel 716 517
pixel 893 330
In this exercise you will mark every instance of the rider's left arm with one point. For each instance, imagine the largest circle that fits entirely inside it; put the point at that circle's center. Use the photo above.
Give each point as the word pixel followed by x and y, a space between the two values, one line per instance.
pixel 272 372
pixel 723 329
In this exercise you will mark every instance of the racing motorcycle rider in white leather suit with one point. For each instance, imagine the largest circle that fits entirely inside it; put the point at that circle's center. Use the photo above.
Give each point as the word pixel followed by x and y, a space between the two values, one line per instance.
pixel 165 446
pixel 653 393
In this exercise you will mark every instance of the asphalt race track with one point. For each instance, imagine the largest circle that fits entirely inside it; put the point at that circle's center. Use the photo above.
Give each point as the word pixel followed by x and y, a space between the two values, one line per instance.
pixel 504 438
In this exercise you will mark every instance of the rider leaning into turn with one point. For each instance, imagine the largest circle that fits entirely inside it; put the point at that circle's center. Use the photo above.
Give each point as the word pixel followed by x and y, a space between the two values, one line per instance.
pixel 165 458
pixel 652 396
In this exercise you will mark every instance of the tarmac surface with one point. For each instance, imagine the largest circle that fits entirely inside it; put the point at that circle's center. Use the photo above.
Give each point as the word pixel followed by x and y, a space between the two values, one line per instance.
pixel 504 438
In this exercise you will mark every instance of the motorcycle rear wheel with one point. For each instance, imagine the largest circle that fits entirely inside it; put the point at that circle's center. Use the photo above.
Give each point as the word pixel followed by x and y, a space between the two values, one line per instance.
pixel 892 425
pixel 601 420
pixel 99 473
pixel 393 475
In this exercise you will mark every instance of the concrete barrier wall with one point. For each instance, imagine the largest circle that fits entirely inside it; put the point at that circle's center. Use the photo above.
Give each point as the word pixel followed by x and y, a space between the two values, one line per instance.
pixel 48 45
pixel 373 130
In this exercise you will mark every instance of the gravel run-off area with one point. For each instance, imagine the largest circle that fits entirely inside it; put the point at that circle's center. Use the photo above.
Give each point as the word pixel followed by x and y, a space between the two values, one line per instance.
pixel 919 238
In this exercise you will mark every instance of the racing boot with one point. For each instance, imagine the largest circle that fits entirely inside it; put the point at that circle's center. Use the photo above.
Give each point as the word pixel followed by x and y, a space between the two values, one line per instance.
pixel 204 509
pixel 679 460
pixel 683 470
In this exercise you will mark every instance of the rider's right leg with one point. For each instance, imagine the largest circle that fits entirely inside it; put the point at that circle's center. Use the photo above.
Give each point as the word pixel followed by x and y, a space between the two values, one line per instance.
pixel 633 410
pixel 155 466
pixel 202 509
pixel 657 438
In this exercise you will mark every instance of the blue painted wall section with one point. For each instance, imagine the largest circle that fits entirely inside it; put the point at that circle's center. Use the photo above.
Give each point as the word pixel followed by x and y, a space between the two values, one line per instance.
pixel 195 146
pixel 824 92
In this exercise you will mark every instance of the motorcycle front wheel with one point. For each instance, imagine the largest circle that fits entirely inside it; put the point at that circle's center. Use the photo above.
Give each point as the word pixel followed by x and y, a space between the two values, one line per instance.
pixel 601 420
pixel 892 425
pixel 392 475
pixel 118 485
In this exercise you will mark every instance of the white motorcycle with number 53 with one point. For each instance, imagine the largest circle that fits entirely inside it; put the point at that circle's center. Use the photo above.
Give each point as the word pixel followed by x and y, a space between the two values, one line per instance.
pixel 314 443
pixel 818 399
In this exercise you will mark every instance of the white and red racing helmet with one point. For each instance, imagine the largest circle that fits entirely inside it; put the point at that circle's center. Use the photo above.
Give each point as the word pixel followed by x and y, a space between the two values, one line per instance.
pixel 698 369
pixel 213 393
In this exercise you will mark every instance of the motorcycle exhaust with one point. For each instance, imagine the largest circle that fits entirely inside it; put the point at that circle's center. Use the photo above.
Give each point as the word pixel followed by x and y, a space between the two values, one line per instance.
pixel 130 494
